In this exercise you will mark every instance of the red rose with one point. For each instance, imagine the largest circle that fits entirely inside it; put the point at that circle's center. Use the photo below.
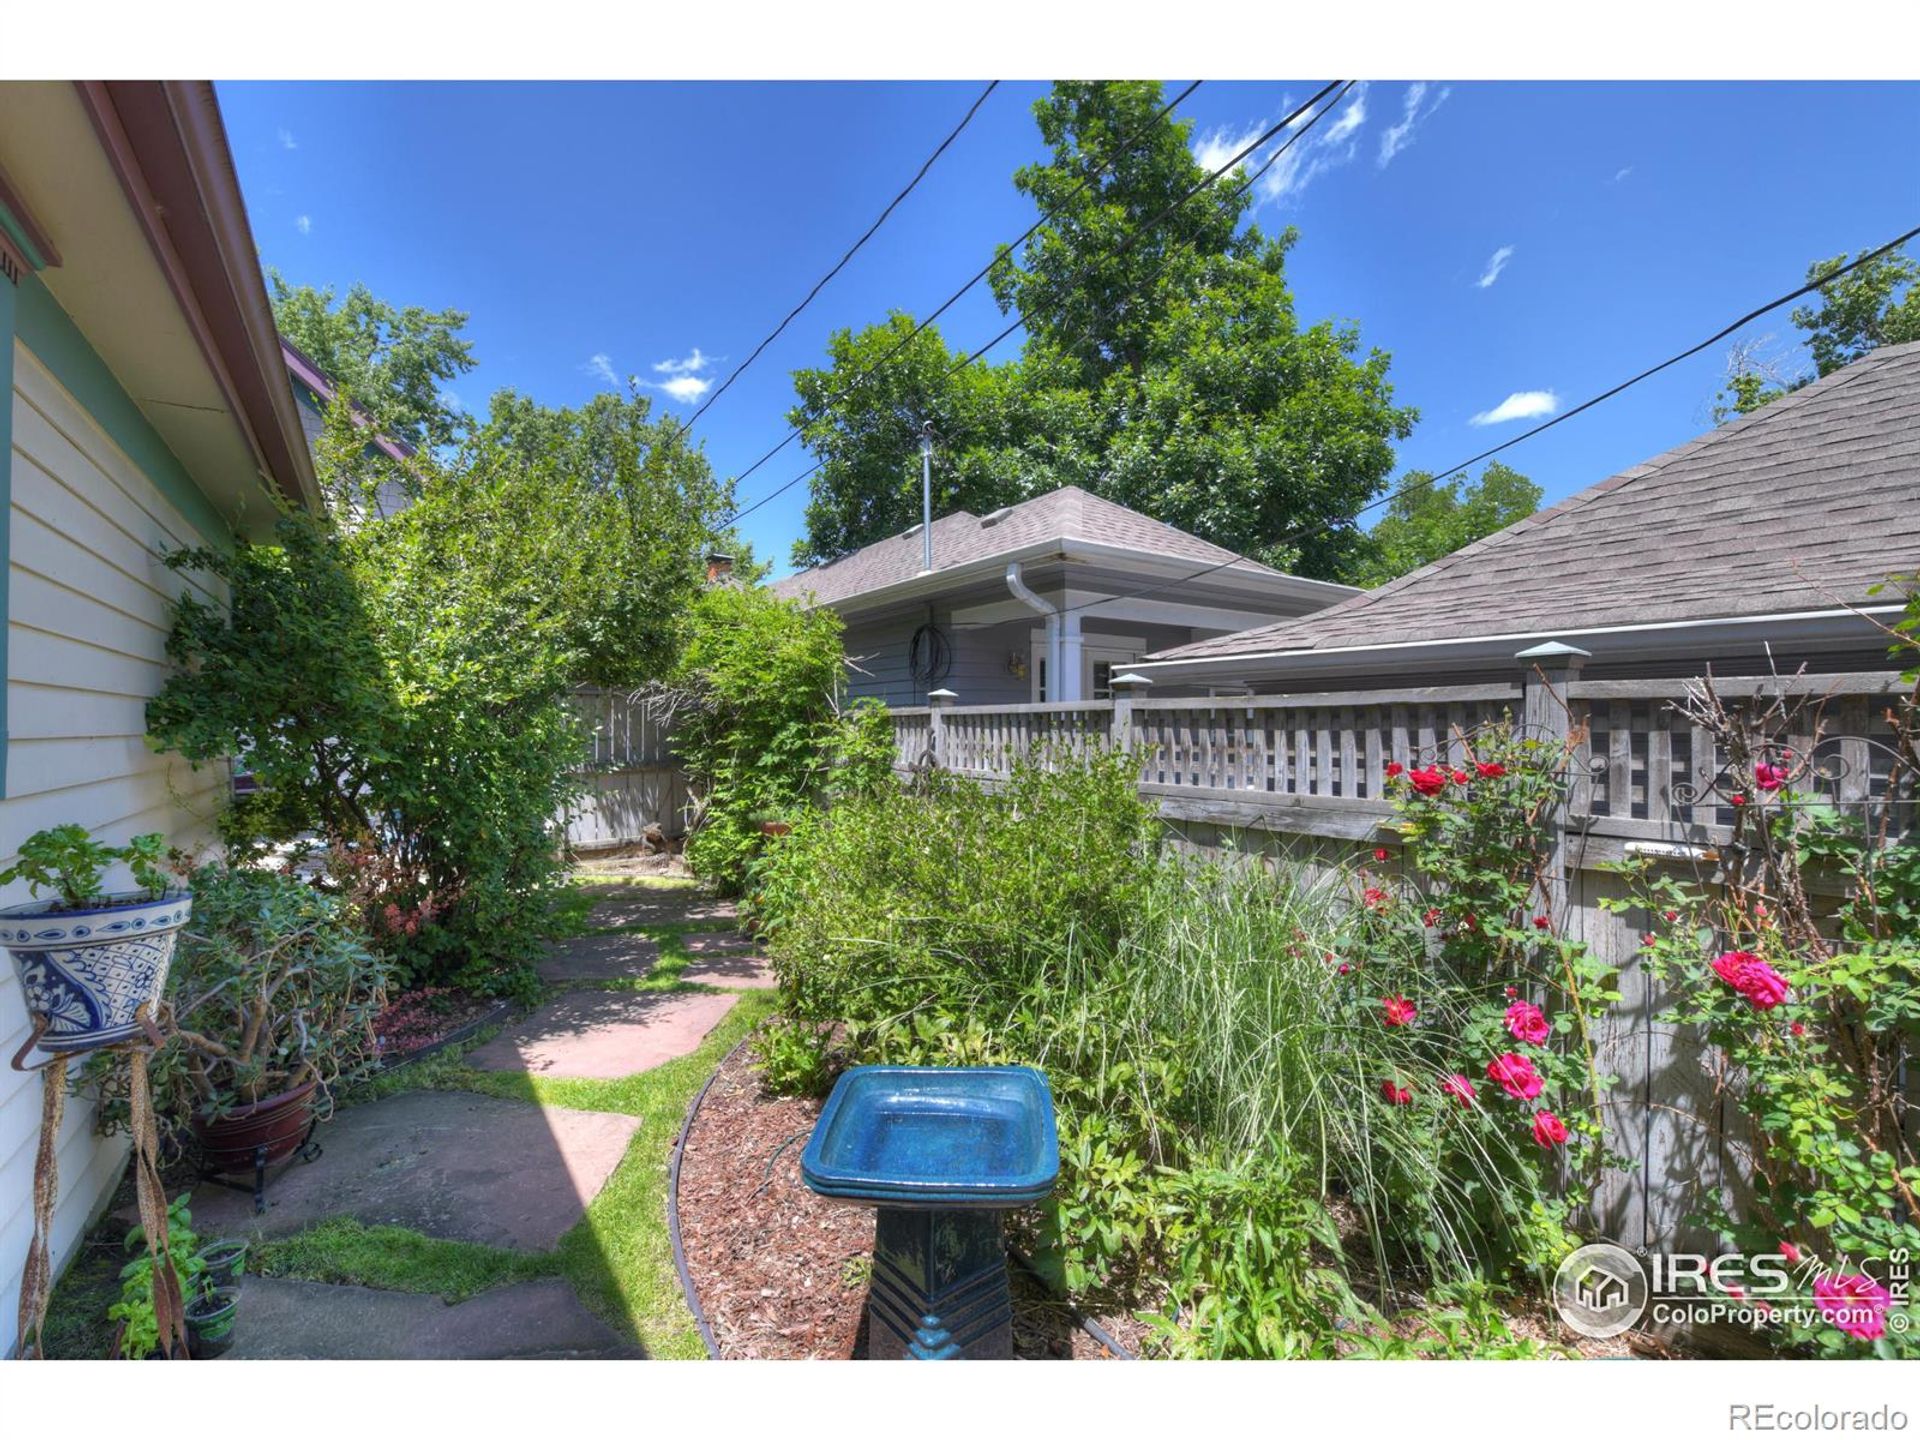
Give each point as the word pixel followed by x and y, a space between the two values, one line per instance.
pixel 1548 1129
pixel 1515 1075
pixel 1461 1089
pixel 1346 969
pixel 1399 1010
pixel 1512 991
pixel 1380 853
pixel 1737 800
pixel 1526 1023
pixel 1541 922
pixel 1769 777
pixel 1376 898
pixel 1490 769
pixel 1428 781
pixel 1432 917
pixel 1797 1030
pixel 1396 1094
pixel 1460 777
pixel 1394 768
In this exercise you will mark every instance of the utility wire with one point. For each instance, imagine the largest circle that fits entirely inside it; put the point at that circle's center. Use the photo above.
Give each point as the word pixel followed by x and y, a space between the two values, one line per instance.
pixel 1326 526
pixel 821 283
pixel 954 298
pixel 1138 233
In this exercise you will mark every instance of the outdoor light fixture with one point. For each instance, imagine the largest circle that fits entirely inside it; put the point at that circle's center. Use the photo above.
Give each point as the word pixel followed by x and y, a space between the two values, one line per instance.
pixel 941 1153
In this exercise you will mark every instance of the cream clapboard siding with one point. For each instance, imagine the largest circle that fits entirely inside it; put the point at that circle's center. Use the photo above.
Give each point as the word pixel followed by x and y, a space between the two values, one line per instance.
pixel 88 602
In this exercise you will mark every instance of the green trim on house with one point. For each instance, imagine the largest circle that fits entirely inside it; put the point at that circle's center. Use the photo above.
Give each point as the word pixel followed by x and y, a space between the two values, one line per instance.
pixel 49 332
pixel 17 233
pixel 9 297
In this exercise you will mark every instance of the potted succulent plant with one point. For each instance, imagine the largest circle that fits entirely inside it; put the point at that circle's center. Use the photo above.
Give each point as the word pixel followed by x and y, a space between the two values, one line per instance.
pixel 88 960
pixel 269 1008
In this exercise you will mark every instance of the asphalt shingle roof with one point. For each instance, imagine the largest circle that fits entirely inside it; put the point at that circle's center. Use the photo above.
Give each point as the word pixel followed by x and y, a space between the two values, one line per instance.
pixel 1799 506
pixel 963 538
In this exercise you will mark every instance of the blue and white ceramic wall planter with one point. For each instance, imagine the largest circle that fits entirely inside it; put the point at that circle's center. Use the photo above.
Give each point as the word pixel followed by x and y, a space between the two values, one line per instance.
pixel 88 972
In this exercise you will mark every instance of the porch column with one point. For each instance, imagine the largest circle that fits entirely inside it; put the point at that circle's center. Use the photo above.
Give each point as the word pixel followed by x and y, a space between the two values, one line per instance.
pixel 1069 678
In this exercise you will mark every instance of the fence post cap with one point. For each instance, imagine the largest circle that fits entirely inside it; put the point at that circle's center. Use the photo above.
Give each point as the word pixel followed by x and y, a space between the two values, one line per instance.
pixel 1555 650
pixel 1129 681
pixel 941 697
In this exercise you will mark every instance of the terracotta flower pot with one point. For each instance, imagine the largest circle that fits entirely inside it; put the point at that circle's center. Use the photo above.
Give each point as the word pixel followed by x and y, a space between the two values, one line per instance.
pixel 88 972
pixel 229 1142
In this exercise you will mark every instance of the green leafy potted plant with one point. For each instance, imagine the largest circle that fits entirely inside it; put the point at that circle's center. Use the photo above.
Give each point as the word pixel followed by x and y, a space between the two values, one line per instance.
pixel 88 960
pixel 270 1008
pixel 138 1336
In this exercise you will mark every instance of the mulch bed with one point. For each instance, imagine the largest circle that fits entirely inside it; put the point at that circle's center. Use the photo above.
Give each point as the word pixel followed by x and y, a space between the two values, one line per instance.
pixel 417 1021
pixel 781 1272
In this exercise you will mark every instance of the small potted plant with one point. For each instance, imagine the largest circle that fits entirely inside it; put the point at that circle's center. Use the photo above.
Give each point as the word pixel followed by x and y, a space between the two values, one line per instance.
pixel 210 1317
pixel 225 1262
pixel 87 960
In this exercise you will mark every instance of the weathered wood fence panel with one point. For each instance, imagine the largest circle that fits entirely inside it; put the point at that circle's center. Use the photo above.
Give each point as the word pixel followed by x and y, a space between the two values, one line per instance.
pixel 1292 776
pixel 632 778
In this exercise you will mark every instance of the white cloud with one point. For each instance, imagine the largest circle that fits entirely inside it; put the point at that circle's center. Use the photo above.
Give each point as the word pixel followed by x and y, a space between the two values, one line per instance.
pixel 1495 266
pixel 1521 405
pixel 601 368
pixel 692 365
pixel 1414 108
pixel 287 142
pixel 684 382
pixel 304 224
pixel 1622 173
pixel 1329 144
pixel 451 400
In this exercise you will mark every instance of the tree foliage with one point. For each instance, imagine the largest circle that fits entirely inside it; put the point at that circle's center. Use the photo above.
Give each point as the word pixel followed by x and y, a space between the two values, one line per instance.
pixel 1165 367
pixel 395 360
pixel 1877 304
pixel 1428 519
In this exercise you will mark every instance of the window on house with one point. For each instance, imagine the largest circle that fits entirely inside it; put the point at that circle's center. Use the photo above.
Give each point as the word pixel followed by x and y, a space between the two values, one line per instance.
pixel 1103 680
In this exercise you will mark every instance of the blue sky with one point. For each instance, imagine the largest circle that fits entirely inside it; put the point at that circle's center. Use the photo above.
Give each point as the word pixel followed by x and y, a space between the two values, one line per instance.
pixel 1506 243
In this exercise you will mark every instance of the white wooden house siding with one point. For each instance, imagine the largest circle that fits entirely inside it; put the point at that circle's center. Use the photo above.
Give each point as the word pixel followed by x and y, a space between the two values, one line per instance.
pixel 87 617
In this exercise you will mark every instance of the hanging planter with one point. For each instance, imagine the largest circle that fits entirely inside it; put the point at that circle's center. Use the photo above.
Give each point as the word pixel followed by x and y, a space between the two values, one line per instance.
pixel 89 961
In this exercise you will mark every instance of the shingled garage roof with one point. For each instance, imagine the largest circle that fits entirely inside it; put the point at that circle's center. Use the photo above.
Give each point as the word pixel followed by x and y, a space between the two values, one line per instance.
pixel 963 538
pixel 1798 507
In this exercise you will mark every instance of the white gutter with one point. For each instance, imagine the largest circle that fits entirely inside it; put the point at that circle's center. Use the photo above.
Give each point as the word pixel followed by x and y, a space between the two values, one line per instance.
pixel 1033 602
pixel 1652 636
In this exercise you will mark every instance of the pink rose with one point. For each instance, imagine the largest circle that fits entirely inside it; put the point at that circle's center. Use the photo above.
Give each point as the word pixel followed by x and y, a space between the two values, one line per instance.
pixel 1858 1304
pixel 1526 1023
pixel 1769 777
pixel 1548 1131
pixel 1790 1252
pixel 1399 1010
pixel 1762 985
pixel 1515 1075
pixel 1460 1089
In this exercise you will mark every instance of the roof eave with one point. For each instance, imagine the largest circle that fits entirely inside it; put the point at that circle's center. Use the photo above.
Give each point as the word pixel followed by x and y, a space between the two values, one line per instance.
pixel 1650 641
pixel 168 147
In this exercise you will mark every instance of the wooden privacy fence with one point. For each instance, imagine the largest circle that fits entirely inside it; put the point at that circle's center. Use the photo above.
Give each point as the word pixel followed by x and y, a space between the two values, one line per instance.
pixel 632 777
pixel 1302 778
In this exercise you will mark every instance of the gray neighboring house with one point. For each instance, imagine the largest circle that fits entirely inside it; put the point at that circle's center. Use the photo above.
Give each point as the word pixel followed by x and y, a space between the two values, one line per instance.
pixel 1066 584
pixel 1743 548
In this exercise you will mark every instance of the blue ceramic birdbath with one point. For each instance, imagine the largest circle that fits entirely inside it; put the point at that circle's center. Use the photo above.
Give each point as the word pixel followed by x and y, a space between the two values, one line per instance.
pixel 942 1154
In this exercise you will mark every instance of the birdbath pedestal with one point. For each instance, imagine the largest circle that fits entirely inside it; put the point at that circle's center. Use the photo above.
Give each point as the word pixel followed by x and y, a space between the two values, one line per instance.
pixel 942 1154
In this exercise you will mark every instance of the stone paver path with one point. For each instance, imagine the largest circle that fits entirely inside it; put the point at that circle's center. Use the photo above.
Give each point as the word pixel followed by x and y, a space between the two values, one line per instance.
pixel 303 1320
pixel 515 1174
pixel 449 1164
pixel 604 1034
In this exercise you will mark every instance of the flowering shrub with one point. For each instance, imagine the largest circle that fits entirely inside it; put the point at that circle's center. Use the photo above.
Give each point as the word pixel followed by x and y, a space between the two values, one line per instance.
pixel 1816 1006
pixel 1468 974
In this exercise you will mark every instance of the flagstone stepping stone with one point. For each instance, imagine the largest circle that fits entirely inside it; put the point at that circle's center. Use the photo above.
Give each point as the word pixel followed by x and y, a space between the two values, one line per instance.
pixel 604 1034
pixel 598 957
pixel 731 970
pixel 447 1163
pixel 305 1320
pixel 718 942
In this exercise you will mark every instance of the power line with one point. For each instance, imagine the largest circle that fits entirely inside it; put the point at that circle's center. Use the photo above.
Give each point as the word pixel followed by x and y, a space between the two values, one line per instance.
pixel 841 264
pixel 1139 231
pixel 1412 485
pixel 978 276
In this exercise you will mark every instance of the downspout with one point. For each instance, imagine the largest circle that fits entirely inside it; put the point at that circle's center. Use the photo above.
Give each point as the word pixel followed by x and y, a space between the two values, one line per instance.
pixel 1026 597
